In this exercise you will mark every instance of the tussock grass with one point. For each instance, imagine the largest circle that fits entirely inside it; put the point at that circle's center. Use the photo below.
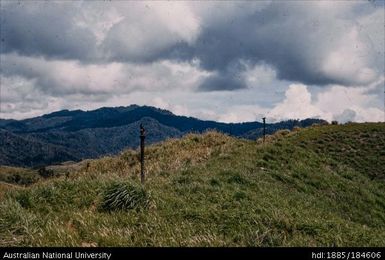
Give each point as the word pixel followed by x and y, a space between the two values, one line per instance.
pixel 124 196
pixel 299 188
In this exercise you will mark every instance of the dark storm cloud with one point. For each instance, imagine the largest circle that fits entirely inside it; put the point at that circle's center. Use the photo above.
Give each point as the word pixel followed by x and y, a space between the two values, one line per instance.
pixel 222 82
pixel 44 28
pixel 298 39
pixel 227 78
pixel 295 38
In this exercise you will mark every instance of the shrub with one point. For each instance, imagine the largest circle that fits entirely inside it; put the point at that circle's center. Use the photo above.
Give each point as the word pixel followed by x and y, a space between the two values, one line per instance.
pixel 21 178
pixel 124 196
pixel 45 173
pixel 282 132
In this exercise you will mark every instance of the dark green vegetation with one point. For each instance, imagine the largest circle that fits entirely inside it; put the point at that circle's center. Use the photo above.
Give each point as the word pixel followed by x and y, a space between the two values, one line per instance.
pixel 319 186
pixel 75 135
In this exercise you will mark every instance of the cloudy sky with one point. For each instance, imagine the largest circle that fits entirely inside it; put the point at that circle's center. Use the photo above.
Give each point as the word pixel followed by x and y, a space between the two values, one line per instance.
pixel 225 61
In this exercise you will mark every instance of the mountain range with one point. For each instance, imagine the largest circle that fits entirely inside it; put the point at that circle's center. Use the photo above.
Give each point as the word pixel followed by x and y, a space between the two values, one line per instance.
pixel 75 135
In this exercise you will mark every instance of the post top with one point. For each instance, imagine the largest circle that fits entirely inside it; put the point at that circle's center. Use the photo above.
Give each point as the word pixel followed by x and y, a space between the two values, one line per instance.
pixel 142 130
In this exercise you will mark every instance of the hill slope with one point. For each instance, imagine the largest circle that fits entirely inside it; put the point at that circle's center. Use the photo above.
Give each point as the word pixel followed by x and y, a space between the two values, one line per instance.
pixel 28 151
pixel 320 186
pixel 75 135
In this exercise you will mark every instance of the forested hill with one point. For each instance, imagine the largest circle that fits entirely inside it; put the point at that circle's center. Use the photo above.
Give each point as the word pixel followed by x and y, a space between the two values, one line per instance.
pixel 75 135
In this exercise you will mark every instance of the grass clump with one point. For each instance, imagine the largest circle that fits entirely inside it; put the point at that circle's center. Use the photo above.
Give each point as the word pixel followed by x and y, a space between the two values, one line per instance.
pixel 124 196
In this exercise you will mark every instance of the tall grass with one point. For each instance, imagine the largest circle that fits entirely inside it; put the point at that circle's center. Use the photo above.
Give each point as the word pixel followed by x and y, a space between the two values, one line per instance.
pixel 297 189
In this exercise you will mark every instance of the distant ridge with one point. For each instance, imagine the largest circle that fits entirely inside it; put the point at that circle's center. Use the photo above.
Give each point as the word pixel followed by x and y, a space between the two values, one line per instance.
pixel 62 135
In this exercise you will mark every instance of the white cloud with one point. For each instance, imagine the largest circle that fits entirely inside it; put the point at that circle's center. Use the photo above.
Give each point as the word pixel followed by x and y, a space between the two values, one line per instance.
pixel 337 99
pixel 259 76
pixel 348 62
pixel 149 28
pixel 335 103
pixel 58 77
pixel 98 18
pixel 297 105
pixel 243 113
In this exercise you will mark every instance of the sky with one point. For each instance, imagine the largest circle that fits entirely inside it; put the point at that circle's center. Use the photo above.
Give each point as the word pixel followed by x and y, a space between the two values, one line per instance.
pixel 229 61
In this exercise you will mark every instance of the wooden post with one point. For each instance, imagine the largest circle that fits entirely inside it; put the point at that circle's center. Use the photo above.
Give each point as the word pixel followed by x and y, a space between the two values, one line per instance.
pixel 264 129
pixel 142 137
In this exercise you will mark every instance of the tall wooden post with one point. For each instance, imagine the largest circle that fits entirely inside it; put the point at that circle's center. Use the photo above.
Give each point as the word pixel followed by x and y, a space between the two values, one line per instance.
pixel 264 129
pixel 142 137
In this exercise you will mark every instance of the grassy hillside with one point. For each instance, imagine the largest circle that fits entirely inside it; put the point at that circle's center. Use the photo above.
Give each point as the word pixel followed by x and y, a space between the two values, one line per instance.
pixel 77 135
pixel 319 186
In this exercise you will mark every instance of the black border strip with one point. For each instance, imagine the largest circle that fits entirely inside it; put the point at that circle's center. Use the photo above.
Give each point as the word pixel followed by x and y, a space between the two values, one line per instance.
pixel 327 253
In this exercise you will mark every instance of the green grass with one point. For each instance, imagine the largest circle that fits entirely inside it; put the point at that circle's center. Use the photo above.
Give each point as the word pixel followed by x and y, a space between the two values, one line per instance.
pixel 320 186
